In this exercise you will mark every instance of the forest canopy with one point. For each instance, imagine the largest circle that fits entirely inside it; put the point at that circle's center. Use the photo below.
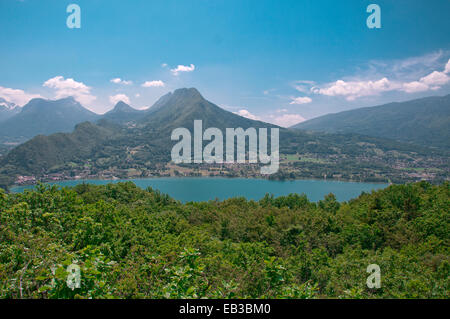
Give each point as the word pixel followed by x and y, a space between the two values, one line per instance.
pixel 134 243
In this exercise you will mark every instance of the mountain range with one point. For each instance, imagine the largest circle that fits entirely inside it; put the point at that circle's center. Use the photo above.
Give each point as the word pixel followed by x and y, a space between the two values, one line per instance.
pixel 424 121
pixel 44 117
pixel 125 139
pixel 150 131
pixel 40 116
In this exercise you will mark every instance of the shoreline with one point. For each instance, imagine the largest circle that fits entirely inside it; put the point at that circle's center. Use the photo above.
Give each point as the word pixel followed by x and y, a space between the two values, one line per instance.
pixel 206 188
pixel 118 180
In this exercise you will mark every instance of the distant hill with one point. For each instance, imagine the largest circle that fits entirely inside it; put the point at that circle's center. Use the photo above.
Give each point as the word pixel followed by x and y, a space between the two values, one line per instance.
pixel 40 116
pixel 43 152
pixel 122 113
pixel 424 121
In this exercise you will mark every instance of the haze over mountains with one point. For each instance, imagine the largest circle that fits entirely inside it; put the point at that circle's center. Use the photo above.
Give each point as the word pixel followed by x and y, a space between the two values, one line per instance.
pixel 424 121
pixel 40 116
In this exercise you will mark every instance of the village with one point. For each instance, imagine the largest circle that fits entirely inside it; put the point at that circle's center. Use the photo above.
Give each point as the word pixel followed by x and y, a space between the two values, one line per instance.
pixel 292 166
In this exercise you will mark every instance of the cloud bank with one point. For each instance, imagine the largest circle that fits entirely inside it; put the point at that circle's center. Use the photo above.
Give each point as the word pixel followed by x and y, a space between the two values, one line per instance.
pixel 16 96
pixel 70 87
pixel 283 120
pixel 352 90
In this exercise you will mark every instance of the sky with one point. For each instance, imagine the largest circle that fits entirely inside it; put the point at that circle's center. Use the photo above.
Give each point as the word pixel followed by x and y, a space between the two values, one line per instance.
pixel 279 61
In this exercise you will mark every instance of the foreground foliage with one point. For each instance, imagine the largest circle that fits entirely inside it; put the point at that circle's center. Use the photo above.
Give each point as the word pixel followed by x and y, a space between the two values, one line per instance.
pixel 133 243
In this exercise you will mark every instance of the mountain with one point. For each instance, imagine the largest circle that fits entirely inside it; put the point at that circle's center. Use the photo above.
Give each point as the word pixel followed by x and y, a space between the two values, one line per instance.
pixel 40 116
pixel 183 106
pixel 7 110
pixel 424 121
pixel 6 104
pixel 122 113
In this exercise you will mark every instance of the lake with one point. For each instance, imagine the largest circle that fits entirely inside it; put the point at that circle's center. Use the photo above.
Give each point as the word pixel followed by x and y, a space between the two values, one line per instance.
pixel 197 189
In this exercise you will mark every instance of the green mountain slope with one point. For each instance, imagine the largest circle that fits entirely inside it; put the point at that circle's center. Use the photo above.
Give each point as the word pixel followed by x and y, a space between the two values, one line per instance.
pixel 43 152
pixel 423 121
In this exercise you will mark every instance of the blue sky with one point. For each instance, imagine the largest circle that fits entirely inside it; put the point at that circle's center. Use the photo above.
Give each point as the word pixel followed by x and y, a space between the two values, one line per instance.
pixel 280 61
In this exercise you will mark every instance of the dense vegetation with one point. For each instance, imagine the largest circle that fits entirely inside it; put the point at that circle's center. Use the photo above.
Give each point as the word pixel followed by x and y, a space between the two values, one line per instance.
pixel 133 243
pixel 424 121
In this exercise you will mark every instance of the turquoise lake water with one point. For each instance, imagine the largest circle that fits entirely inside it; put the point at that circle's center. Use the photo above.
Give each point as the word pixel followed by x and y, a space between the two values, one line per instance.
pixel 209 188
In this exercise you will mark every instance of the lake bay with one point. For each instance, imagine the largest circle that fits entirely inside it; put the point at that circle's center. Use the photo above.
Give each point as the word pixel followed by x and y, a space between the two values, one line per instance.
pixel 198 189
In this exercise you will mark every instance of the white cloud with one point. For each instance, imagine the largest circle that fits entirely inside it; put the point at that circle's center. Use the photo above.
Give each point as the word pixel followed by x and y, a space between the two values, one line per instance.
pixel 354 89
pixel 164 65
pixel 283 120
pixel 435 79
pixel 303 85
pixel 287 120
pixel 157 83
pixel 415 86
pixel 16 96
pixel 120 81
pixel 182 68
pixel 114 99
pixel 137 95
pixel 301 100
pixel 447 67
pixel 70 87
pixel 404 70
pixel 432 81
pixel 423 62
pixel 247 114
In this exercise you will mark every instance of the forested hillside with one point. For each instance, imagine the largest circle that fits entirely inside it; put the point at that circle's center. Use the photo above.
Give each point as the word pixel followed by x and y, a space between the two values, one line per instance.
pixel 424 121
pixel 133 243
